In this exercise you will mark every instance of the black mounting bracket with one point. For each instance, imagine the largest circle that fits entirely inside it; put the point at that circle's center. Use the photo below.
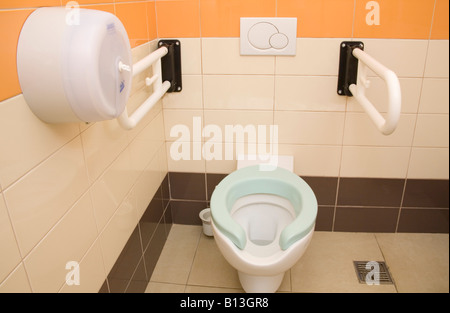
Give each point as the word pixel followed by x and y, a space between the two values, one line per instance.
pixel 348 67
pixel 171 64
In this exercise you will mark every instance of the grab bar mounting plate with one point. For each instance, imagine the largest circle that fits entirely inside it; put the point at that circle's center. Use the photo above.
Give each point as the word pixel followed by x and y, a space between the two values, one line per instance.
pixel 171 64
pixel 348 67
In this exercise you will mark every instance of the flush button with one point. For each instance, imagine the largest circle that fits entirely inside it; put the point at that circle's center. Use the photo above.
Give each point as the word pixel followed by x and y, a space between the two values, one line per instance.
pixel 279 41
pixel 260 33
pixel 268 36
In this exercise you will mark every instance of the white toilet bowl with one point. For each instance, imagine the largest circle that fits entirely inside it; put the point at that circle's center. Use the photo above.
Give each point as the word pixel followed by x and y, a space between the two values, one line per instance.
pixel 263 222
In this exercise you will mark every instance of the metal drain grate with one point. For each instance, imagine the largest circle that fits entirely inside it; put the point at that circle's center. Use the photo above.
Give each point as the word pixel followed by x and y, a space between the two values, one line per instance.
pixel 372 272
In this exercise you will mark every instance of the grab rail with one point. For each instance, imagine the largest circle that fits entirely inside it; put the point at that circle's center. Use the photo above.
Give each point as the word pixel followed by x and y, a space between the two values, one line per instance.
pixel 357 88
pixel 166 78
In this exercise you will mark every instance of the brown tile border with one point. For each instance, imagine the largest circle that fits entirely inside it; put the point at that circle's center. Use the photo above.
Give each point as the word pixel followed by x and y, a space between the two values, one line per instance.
pixel 366 219
pixel 370 192
pixel 187 186
pixel 345 204
pixel 424 220
pixel 426 193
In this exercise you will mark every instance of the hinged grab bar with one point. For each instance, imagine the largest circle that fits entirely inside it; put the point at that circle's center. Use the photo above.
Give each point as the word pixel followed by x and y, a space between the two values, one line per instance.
pixel 166 78
pixel 349 84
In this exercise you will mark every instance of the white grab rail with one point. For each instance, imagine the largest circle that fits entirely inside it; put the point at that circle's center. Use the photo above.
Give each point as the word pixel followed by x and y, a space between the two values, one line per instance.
pixel 388 125
pixel 159 87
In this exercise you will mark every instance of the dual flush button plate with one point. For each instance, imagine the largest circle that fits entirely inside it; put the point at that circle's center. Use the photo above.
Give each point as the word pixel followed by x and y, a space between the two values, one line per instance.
pixel 268 36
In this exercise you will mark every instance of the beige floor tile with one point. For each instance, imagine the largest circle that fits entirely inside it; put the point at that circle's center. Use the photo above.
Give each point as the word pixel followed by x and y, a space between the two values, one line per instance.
pixel 327 265
pixel 177 256
pixel 153 287
pixel 418 262
pixel 210 268
pixel 203 289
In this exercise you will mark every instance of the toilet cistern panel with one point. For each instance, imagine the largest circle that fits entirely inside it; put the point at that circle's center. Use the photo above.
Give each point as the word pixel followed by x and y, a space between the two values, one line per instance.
pixel 268 36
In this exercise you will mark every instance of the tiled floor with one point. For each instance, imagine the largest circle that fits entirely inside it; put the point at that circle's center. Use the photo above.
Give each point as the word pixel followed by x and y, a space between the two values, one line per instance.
pixel 191 262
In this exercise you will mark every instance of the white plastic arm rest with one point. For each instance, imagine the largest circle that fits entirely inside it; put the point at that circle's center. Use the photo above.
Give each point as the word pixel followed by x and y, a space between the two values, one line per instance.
pixel 388 125
pixel 159 88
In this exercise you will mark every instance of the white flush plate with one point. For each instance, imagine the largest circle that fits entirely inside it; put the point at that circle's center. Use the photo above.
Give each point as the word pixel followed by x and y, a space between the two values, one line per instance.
pixel 268 36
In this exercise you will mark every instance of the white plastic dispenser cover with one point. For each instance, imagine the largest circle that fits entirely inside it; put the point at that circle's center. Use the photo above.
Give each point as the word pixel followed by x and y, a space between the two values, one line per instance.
pixel 68 65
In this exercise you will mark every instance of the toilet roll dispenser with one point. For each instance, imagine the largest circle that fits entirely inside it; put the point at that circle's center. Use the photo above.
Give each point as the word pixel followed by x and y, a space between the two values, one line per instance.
pixel 79 69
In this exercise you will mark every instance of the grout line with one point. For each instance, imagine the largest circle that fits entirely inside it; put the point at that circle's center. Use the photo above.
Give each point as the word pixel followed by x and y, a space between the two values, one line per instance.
pixel 193 258
pixel 384 258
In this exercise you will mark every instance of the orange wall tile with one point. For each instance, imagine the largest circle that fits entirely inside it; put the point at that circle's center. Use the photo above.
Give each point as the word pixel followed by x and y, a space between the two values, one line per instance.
pixel 178 18
pixel 89 1
pixel 440 20
pixel 134 18
pixel 151 20
pixel 15 4
pixel 10 25
pixel 101 7
pixel 403 19
pixel 221 18
pixel 319 18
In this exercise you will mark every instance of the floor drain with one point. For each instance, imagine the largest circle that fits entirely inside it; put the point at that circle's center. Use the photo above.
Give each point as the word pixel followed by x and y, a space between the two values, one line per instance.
pixel 372 272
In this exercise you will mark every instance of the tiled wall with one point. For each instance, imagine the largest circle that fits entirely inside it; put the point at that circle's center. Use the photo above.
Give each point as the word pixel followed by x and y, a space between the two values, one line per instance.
pixel 78 192
pixel 333 141
pixel 329 135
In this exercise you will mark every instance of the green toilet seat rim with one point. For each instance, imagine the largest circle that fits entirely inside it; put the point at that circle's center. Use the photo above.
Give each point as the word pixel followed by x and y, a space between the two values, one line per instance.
pixel 252 180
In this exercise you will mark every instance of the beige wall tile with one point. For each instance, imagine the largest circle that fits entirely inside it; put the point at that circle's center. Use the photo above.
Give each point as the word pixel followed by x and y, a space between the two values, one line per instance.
pixel 111 188
pixel 25 140
pixel 312 160
pixel 222 118
pixel 429 163
pixel 313 128
pixel 360 131
pixel 189 98
pixel 308 93
pixel 222 56
pixel 102 143
pixel 162 158
pixel 191 56
pixel 437 59
pixel 405 57
pixel 182 120
pixel 387 162
pixel 315 56
pixel 432 130
pixel 246 92
pixel 221 166
pixel 377 94
pixel 8 245
pixel 435 96
pixel 177 164
pixel 92 272
pixel 43 196
pixel 146 144
pixel 148 183
pixel 221 157
pixel 118 230
pixel 67 241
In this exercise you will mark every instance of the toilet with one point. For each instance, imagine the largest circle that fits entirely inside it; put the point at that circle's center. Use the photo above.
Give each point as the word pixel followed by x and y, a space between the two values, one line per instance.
pixel 263 220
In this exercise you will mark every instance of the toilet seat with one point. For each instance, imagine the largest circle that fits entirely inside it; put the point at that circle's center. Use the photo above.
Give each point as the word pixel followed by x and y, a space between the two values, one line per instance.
pixel 251 180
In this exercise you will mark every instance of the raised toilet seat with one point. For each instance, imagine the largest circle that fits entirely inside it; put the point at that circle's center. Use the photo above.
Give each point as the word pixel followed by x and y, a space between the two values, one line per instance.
pixel 262 222
pixel 251 181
